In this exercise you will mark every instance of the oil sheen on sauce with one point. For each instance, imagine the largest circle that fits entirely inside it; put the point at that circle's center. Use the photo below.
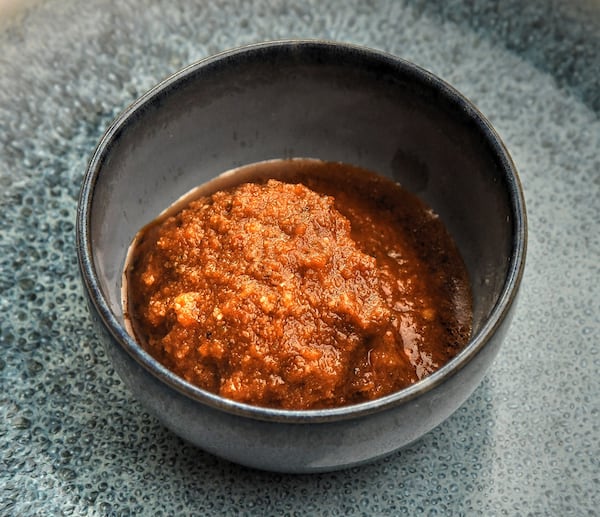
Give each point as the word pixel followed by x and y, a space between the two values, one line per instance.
pixel 298 284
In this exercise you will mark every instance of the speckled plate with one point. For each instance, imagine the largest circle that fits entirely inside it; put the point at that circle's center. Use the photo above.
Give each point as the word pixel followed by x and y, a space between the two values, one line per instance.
pixel 72 438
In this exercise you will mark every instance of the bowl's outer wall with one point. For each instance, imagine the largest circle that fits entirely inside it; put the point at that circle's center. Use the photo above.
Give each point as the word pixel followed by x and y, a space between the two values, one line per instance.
pixel 301 447
pixel 308 101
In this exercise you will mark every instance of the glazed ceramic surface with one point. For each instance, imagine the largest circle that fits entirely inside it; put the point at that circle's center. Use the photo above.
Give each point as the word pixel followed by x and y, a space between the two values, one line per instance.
pixel 74 439
pixel 318 100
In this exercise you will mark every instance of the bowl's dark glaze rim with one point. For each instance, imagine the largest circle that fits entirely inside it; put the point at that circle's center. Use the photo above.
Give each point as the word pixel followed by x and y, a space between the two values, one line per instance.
pixel 477 342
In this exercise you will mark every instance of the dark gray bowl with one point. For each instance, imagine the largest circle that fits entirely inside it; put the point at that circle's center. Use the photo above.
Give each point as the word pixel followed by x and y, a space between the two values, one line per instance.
pixel 304 99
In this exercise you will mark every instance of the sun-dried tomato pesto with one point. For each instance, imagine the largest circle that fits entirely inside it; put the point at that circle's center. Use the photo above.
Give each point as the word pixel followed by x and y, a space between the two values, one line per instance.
pixel 314 285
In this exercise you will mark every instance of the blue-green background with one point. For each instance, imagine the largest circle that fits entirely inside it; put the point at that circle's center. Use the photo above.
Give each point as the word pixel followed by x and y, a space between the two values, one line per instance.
pixel 74 441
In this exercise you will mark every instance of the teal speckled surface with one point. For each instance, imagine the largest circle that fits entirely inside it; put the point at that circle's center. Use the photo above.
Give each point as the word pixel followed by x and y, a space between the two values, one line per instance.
pixel 73 440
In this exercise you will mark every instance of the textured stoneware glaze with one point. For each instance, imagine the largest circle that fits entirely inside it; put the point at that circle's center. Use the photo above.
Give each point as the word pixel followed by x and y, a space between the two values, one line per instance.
pixel 304 99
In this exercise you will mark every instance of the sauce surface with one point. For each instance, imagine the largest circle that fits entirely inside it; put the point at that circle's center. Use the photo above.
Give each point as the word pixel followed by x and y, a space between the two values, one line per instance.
pixel 299 284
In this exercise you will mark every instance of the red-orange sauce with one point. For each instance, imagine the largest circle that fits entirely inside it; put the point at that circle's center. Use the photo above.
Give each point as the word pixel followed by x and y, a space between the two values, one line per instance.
pixel 314 285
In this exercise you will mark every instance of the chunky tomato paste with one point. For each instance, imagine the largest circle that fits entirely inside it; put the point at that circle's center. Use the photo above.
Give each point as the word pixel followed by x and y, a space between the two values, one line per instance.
pixel 307 285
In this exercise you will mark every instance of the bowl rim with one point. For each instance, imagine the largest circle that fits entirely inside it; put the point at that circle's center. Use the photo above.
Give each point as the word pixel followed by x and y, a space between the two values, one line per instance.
pixel 477 342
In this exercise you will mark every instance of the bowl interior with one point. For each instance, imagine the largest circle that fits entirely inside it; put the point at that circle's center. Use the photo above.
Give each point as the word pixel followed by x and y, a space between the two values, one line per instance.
pixel 307 100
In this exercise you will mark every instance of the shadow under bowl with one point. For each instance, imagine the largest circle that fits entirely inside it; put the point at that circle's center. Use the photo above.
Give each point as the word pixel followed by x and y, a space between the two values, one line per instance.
pixel 314 99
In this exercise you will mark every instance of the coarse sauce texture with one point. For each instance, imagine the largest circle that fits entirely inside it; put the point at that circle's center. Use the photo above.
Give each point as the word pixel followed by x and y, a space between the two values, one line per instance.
pixel 314 285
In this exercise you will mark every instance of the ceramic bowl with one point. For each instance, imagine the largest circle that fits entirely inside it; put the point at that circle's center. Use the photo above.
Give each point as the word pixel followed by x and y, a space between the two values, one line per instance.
pixel 314 99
